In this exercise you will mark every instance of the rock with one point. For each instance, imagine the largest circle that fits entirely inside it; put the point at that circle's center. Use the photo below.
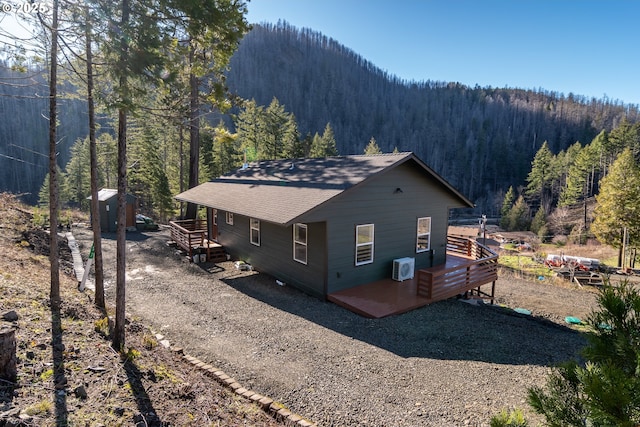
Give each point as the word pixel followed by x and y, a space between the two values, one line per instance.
pixel 80 392
pixel 10 316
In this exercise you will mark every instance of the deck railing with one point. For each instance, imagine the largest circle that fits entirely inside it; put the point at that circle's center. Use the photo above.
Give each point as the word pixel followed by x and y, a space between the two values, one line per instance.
pixel 189 234
pixel 482 268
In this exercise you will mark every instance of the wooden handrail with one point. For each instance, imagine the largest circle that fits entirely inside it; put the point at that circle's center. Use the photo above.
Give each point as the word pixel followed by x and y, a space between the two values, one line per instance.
pixel 468 248
pixel 482 268
pixel 189 234
pixel 190 224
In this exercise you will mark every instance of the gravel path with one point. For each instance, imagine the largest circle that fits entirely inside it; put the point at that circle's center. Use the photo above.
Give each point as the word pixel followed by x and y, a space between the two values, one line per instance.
pixel 449 363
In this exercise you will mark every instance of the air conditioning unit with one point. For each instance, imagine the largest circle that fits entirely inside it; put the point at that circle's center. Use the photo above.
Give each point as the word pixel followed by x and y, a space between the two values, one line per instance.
pixel 403 269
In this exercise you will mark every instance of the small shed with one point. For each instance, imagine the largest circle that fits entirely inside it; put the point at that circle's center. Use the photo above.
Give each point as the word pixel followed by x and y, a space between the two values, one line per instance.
pixel 108 208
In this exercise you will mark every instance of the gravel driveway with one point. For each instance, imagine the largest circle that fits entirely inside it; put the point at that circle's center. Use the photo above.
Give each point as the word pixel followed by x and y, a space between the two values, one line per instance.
pixel 447 364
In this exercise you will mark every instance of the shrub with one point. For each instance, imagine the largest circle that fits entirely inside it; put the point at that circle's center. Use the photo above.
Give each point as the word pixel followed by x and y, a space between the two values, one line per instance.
pixel 102 326
pixel 505 418
pixel 605 390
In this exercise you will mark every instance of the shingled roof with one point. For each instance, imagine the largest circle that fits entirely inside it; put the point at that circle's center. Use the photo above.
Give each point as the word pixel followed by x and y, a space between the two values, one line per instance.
pixel 281 191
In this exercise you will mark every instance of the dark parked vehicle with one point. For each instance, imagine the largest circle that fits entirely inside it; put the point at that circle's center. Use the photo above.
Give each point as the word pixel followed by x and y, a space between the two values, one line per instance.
pixel 144 223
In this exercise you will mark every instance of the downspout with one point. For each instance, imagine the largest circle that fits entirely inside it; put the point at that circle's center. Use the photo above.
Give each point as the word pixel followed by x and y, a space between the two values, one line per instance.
pixel 326 262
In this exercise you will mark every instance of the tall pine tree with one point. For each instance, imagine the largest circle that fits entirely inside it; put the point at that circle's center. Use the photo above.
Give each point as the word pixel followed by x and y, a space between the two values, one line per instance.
pixel 325 145
pixel 541 176
pixel 618 203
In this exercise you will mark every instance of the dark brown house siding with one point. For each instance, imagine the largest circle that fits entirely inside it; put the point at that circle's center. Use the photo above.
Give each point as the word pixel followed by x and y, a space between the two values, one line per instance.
pixel 274 256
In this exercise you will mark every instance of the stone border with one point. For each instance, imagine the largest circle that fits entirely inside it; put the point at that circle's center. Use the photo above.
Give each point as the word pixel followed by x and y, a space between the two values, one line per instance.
pixel 275 409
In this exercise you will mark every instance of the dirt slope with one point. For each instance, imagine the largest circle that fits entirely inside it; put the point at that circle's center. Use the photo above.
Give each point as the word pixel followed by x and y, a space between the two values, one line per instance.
pixel 76 378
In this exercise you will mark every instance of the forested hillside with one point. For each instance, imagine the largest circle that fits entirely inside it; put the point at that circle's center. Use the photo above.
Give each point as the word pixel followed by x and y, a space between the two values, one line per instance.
pixel 24 104
pixel 481 139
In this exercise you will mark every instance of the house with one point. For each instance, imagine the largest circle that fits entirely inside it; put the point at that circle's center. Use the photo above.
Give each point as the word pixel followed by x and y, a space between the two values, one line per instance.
pixel 324 225
pixel 108 208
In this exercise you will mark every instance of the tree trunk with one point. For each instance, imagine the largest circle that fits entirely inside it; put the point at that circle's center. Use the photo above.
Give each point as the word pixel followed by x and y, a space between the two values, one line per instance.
pixel 54 294
pixel 95 206
pixel 194 135
pixel 118 340
pixel 8 362
pixel 181 169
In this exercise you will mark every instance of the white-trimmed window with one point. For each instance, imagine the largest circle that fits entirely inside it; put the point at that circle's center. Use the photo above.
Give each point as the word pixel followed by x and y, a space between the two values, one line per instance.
pixel 230 218
pixel 364 244
pixel 423 240
pixel 255 231
pixel 300 243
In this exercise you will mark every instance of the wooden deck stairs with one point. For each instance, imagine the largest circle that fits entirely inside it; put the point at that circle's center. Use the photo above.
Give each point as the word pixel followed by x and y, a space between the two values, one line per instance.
pixel 191 237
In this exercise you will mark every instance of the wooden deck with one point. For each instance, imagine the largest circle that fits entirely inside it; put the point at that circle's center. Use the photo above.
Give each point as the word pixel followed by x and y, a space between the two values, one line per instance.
pixel 461 273
pixel 191 236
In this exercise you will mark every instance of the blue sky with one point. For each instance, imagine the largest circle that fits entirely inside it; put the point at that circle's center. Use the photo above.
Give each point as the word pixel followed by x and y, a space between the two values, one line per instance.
pixel 586 47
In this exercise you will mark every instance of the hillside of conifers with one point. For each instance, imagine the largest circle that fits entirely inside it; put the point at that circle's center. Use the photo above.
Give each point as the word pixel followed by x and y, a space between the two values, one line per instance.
pixel 297 93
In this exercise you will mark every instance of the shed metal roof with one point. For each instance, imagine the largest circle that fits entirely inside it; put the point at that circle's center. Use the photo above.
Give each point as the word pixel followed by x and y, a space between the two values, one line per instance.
pixel 280 191
pixel 107 193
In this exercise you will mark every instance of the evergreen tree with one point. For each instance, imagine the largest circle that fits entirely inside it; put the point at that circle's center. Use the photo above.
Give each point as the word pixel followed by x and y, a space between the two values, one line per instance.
pixel 329 142
pixel 147 177
pixel 606 390
pixel 325 145
pixel 507 204
pixel 564 162
pixel 226 151
pixel 143 46
pixel 43 194
pixel 618 203
pixel 307 143
pixel 518 218
pixel 77 176
pixel 213 29
pixel 372 147
pixel 625 135
pixel 280 132
pixel 541 176
pixel 580 176
pixel 294 146
pixel 539 221
pixel 206 154
pixel 250 129
pixel 107 150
